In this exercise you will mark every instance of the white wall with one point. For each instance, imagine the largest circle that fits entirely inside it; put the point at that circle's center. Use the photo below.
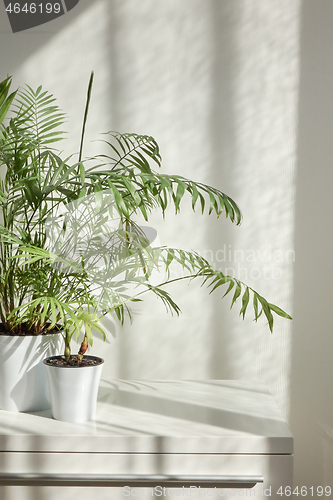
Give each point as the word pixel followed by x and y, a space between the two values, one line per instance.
pixel 312 346
pixel 217 84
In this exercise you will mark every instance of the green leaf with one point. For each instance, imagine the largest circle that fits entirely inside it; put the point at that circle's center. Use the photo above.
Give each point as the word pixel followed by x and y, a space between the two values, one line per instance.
pixel 230 287
pixel 237 293
pixel 4 88
pixel 255 307
pixel 170 256
pixel 82 173
pixel 245 301
pixel 279 311
pixel 213 204
pixel 219 282
pixel 54 312
pixel 118 199
pixel 195 195
pixel 267 312
pixel 5 100
pixel 179 195
pixel 5 106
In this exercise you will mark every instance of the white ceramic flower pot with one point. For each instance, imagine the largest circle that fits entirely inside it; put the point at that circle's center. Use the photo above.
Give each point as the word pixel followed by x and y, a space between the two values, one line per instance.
pixel 73 390
pixel 22 374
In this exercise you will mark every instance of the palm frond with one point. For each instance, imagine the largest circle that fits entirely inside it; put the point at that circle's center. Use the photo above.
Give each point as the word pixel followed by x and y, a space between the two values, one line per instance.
pixel 137 187
pixel 195 266
pixel 38 117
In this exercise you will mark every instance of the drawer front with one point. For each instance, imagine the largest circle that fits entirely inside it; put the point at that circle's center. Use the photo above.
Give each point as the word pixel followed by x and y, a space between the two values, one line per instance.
pixel 275 471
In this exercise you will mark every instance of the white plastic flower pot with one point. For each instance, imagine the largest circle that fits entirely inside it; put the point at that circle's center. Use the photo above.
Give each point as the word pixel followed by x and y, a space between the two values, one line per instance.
pixel 73 389
pixel 22 373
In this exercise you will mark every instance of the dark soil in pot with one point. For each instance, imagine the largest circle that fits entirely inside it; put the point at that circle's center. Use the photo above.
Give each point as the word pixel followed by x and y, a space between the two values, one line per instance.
pixel 23 330
pixel 73 362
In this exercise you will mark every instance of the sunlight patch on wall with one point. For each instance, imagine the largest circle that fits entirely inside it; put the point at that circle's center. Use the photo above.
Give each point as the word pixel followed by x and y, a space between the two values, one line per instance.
pixel 265 98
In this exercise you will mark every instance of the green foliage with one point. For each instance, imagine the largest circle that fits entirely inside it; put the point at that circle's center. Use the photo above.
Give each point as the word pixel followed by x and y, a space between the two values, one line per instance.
pixel 137 187
pixel 90 267
pixel 5 99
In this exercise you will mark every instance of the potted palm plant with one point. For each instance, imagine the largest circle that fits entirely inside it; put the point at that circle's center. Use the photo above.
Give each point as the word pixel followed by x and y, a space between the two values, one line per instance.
pixel 71 249
pixel 22 344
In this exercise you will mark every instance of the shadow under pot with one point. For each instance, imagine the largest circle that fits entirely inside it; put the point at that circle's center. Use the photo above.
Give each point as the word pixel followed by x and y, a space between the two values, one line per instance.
pixel 73 387
pixel 23 385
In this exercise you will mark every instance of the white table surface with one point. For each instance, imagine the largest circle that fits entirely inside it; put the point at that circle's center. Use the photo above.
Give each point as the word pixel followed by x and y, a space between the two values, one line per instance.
pixel 144 416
